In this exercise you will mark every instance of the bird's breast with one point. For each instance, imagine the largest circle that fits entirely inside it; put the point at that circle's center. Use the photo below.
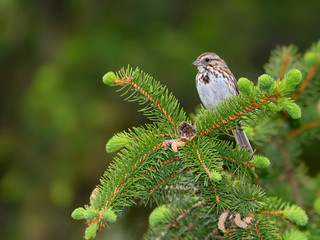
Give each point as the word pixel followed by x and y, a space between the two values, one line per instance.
pixel 213 91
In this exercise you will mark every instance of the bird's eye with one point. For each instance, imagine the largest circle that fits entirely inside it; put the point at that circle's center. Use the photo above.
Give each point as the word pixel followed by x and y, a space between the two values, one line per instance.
pixel 207 59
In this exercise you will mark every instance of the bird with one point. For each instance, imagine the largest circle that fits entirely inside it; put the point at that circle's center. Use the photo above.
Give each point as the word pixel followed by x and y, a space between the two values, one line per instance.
pixel 215 83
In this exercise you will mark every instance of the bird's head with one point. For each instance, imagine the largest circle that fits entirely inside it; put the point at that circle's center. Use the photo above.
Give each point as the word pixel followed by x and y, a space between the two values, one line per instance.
pixel 209 59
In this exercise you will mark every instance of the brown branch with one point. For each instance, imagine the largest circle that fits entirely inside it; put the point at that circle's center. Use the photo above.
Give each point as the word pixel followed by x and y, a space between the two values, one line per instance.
pixel 286 59
pixel 129 81
pixel 250 108
pixel 299 130
pixel 307 80
pixel 138 162
pixel 257 230
pixel 235 161
pixel 209 175
pixel 278 213
pixel 163 163
pixel 167 179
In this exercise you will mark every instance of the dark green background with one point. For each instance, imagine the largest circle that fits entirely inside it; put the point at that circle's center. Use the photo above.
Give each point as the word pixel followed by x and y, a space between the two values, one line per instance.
pixel 57 115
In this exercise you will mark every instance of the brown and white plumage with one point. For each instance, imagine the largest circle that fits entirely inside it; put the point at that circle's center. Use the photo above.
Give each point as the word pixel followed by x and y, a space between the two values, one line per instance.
pixel 215 83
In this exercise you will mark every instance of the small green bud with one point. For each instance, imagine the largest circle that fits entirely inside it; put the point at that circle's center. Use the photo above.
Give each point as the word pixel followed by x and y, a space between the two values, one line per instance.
pixel 292 108
pixel 290 81
pixel 293 77
pixel 296 214
pixel 294 235
pixel 91 231
pixel 316 205
pixel 215 176
pixel 274 107
pixel 117 142
pixel 90 213
pixel 159 214
pixel 260 162
pixel 78 213
pixel 266 83
pixel 246 87
pixel 311 58
pixel 109 78
pixel 109 215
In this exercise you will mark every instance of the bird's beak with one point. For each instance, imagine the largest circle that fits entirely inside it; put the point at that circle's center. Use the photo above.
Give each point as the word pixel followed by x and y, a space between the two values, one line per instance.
pixel 196 63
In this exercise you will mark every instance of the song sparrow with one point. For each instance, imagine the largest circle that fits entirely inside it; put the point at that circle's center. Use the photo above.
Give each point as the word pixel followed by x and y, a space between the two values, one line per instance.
pixel 215 82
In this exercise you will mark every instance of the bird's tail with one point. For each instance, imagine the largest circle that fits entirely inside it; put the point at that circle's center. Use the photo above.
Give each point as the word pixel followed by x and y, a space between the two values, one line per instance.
pixel 241 138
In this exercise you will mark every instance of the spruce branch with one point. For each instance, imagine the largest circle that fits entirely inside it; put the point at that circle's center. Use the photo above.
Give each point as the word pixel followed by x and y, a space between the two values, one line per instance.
pixel 162 164
pixel 258 229
pixel 285 61
pixel 243 110
pixel 312 72
pixel 281 60
pixel 312 61
pixel 302 128
pixel 167 179
pixel 215 175
pixel 209 175
pixel 160 104
pixel 238 162
pixel 277 207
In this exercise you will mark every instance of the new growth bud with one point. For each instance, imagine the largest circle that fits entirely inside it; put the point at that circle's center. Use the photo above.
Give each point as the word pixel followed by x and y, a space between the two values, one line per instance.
pixel 296 214
pixel 159 214
pixel 266 84
pixel 292 108
pixel 290 81
pixel 117 142
pixel 274 107
pixel 215 176
pixel 294 235
pixel 91 231
pixel 247 88
pixel 90 213
pixel 109 78
pixel 109 215
pixel 78 213
pixel 260 162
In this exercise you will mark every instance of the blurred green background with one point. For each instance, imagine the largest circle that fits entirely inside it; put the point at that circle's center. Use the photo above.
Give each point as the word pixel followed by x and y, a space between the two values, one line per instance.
pixel 57 115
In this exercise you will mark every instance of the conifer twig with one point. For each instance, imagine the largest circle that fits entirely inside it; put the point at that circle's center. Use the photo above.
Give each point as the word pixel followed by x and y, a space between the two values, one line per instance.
pixel 307 80
pixel 163 163
pixel 299 130
pixel 279 213
pixel 257 230
pixel 167 179
pixel 129 81
pixel 138 162
pixel 209 175
pixel 286 59
pixel 251 108
pixel 235 161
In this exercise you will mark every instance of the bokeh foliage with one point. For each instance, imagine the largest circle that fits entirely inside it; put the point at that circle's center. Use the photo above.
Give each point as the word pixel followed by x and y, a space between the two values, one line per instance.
pixel 56 116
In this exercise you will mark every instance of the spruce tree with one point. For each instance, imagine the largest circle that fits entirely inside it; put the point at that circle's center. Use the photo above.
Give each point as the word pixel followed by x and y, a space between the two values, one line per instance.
pixel 202 184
